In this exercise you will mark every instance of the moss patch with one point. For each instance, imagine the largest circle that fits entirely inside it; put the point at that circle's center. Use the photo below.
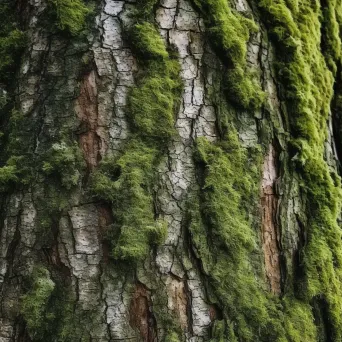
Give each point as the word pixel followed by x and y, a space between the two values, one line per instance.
pixel 65 162
pixel 307 75
pixel 153 101
pixel 71 14
pixel 35 302
pixel 12 41
pixel 127 181
pixel 230 32
pixel 223 237
pixel 51 313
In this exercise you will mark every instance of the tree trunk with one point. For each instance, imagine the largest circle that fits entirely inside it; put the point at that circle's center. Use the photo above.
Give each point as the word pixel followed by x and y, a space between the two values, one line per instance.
pixel 169 170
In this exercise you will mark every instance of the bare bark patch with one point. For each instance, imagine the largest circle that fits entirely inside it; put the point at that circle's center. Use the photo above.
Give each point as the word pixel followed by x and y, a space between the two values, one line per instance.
pixel 141 316
pixel 105 220
pixel 87 112
pixel 178 300
pixel 269 228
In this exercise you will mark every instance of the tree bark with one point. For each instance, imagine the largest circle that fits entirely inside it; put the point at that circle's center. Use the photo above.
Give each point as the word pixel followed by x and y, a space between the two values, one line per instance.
pixel 235 263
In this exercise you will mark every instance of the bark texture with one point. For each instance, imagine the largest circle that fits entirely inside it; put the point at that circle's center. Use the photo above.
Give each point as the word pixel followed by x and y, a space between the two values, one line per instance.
pixel 170 170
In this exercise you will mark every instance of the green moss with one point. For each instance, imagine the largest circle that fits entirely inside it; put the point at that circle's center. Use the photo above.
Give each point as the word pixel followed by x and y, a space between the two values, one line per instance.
pixel 153 101
pixel 51 312
pixel 307 74
pixel 147 42
pixel 9 47
pixel 299 321
pixel 166 318
pixel 230 32
pixel 172 337
pixel 145 10
pixel 71 14
pixel 8 174
pixel 221 332
pixel 127 183
pixel 331 41
pixel 12 41
pixel 233 230
pixel 224 240
pixel 35 302
pixel 65 162
pixel 223 237
pixel 18 161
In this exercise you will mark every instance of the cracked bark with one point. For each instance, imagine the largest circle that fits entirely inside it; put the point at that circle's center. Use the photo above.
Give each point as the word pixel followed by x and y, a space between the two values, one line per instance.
pixel 55 91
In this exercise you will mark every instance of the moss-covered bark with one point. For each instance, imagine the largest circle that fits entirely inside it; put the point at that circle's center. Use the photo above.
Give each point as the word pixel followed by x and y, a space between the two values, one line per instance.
pixel 169 171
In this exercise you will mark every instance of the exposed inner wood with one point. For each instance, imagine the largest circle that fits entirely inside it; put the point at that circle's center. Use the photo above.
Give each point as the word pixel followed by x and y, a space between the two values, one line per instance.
pixel 269 229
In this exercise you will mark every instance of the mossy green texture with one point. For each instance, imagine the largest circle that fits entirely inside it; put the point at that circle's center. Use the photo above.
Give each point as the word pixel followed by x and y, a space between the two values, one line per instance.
pixel 12 40
pixel 145 10
pixel 222 234
pixel 65 162
pixel 221 332
pixel 224 240
pixel 35 302
pixel 18 163
pixel 230 32
pixel 147 42
pixel 153 101
pixel 71 14
pixel 307 74
pixel 51 313
pixel 299 321
pixel 8 175
pixel 126 182
pixel 153 115
pixel 172 337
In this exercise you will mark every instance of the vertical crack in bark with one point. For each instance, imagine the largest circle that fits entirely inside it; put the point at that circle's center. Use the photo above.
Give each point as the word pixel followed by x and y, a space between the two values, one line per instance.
pixel 269 227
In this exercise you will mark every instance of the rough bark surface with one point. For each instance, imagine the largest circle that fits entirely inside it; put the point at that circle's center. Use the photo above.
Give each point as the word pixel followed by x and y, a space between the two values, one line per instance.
pixel 59 277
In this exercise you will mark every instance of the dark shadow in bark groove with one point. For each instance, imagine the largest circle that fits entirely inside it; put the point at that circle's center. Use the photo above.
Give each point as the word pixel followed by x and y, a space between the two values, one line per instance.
pixel 321 314
pixel 336 109
pixel 298 266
